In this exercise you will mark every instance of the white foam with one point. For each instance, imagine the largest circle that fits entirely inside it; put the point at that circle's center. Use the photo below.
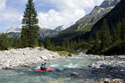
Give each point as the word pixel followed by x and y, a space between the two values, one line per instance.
pixel 71 65
pixel 54 65
pixel 37 67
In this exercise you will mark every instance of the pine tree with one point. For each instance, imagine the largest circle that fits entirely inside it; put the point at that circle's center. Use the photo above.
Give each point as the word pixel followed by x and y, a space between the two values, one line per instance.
pixel 123 29
pixel 91 38
pixel 75 44
pixel 97 43
pixel 105 35
pixel 3 42
pixel 24 38
pixel 15 42
pixel 53 45
pixel 71 45
pixel 41 44
pixel 67 44
pixel 63 44
pixel 79 42
pixel 29 34
pixel 114 35
pixel 10 40
pixel 47 42
pixel 118 30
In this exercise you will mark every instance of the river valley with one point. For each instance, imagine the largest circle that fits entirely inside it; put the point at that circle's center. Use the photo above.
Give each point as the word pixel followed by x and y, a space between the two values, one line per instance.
pixel 62 74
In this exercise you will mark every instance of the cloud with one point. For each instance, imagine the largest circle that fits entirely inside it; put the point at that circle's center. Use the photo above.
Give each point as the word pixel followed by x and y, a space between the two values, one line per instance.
pixel 69 11
pixel 51 13
pixel 11 15
pixel 2 4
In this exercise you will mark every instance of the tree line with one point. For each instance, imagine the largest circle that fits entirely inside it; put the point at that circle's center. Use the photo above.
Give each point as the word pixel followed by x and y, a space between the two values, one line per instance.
pixel 6 43
pixel 109 41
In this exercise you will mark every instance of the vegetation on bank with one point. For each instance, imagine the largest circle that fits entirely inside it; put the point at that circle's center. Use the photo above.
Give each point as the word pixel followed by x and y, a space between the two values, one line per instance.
pixel 64 53
pixel 109 41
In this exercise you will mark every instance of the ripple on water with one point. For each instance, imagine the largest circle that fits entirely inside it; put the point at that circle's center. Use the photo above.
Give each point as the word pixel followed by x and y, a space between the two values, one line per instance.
pixel 71 65
pixel 63 69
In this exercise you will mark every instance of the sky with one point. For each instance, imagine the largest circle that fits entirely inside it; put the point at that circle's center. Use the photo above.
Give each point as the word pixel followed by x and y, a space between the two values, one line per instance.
pixel 51 13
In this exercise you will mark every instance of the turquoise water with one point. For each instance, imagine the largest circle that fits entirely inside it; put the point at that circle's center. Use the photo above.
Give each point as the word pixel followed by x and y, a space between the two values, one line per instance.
pixel 63 69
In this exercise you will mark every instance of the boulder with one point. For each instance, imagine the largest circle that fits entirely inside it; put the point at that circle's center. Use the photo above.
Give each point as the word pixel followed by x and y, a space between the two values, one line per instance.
pixel 44 57
pixel 69 55
pixel 106 80
pixel 52 70
pixel 76 74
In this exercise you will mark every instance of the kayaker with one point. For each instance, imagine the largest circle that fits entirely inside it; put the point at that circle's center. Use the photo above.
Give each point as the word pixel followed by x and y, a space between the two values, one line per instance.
pixel 43 66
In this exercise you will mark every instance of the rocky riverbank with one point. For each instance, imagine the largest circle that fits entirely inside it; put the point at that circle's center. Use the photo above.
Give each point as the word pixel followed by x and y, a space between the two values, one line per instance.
pixel 114 67
pixel 25 57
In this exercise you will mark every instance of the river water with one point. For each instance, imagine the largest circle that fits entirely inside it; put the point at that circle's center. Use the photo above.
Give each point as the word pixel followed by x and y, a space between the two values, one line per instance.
pixel 63 69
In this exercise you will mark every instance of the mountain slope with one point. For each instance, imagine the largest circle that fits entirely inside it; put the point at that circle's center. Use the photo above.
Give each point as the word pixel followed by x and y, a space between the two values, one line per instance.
pixel 109 3
pixel 13 32
pixel 86 23
pixel 97 13
pixel 43 32
pixel 112 18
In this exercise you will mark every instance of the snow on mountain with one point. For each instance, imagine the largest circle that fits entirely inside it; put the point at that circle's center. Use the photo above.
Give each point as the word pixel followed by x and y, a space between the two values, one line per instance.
pixel 97 13
pixel 109 3
pixel 60 28
pixel 15 30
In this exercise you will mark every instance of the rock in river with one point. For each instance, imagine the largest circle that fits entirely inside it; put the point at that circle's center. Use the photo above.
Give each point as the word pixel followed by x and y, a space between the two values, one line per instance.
pixel 76 74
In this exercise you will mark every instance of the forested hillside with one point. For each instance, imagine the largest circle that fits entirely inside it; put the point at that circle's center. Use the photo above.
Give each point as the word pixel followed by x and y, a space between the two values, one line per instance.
pixel 110 32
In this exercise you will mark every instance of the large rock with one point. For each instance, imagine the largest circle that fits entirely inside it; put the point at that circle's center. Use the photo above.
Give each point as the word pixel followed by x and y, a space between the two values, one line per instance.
pixel 76 74
pixel 69 55
pixel 44 58
pixel 52 70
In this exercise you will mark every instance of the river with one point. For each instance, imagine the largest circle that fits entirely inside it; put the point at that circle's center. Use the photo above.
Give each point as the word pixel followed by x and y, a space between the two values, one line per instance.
pixel 63 69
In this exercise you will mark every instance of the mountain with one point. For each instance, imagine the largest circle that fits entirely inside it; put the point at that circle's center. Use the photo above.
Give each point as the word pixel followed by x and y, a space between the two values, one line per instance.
pixel 60 28
pixel 85 24
pixel 116 15
pixel 98 12
pixel 44 31
pixel 13 32
pixel 109 3
pixel 115 44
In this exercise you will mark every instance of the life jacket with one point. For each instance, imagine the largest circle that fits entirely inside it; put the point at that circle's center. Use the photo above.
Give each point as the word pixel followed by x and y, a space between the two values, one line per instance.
pixel 42 66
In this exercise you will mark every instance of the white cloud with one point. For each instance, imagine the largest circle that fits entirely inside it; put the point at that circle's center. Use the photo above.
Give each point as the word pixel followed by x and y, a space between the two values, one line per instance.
pixel 57 12
pixel 11 15
pixel 2 4
pixel 69 11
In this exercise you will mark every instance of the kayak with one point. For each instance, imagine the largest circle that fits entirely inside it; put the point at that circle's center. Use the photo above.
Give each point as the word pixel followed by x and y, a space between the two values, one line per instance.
pixel 47 69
